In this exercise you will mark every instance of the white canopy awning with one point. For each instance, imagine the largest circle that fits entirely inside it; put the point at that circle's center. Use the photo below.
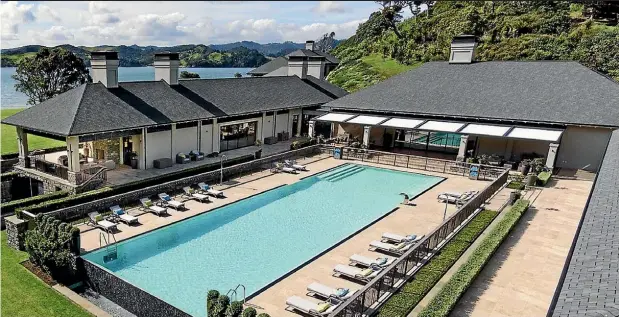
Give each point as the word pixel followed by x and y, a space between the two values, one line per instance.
pixel 335 117
pixel 442 126
pixel 485 129
pixel 367 120
pixel 536 134
pixel 402 123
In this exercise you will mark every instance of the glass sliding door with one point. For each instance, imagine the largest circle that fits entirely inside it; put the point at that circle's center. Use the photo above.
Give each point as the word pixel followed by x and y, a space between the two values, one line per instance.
pixel 234 136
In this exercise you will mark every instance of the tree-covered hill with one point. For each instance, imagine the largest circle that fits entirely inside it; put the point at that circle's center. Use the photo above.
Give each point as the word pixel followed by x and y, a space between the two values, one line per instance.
pixel 518 30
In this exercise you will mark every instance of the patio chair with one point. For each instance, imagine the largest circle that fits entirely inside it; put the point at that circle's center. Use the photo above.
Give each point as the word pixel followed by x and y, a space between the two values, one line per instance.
pixel 120 215
pixel 196 155
pixel 320 290
pixel 148 205
pixel 308 307
pixel 167 201
pixel 294 165
pixel 206 189
pixel 191 194
pixel 365 261
pixel 398 249
pixel 279 167
pixel 392 237
pixel 355 273
pixel 98 221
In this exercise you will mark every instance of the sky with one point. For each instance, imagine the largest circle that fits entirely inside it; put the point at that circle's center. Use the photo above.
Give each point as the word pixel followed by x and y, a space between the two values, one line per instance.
pixel 167 23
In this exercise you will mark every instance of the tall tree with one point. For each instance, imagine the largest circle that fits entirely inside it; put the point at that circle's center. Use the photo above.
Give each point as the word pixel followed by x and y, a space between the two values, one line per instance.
pixel 325 43
pixel 48 73
pixel 391 13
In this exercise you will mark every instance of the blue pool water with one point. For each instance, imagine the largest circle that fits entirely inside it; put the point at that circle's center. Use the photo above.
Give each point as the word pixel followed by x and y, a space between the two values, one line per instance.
pixel 259 239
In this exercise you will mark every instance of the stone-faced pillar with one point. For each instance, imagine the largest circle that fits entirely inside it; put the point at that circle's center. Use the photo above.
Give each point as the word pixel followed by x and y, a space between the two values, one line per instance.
pixel 366 136
pixel 22 146
pixel 464 139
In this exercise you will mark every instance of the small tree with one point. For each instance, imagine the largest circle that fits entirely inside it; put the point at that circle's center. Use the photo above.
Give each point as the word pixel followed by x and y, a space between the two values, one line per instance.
pixel 211 299
pixel 219 309
pixel 185 74
pixel 49 245
pixel 249 312
pixel 238 75
pixel 234 309
pixel 264 315
pixel 48 73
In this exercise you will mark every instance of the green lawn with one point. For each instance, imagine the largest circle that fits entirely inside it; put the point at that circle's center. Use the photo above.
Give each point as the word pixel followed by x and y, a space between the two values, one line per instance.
pixel 386 67
pixel 25 295
pixel 9 137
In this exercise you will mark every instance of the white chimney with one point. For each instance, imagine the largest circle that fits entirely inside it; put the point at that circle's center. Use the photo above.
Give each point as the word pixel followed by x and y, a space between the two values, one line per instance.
pixel 316 66
pixel 297 65
pixel 462 49
pixel 105 68
pixel 166 67
pixel 309 45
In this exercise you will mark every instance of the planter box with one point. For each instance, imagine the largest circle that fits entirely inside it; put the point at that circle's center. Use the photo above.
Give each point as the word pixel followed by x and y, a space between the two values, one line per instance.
pixel 162 163
pixel 270 140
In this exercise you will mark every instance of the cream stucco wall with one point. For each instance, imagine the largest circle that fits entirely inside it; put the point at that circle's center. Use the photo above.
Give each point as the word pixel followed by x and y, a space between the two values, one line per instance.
pixel 185 140
pixel 206 145
pixel 267 126
pixel 582 147
pixel 281 123
pixel 158 145
pixel 282 71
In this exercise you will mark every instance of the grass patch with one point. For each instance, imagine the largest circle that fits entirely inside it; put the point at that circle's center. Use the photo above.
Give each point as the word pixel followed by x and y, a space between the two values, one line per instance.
pixel 401 303
pixel 9 137
pixel 516 185
pixel 386 66
pixel 24 295
pixel 442 304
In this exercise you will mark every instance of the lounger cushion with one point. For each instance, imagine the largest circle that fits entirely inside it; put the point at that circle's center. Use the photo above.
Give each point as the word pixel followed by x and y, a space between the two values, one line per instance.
pixel 148 203
pixel 322 307
pixel 381 261
pixel 165 197
pixel 341 292
pixel 367 272
pixel 98 218
pixel 106 224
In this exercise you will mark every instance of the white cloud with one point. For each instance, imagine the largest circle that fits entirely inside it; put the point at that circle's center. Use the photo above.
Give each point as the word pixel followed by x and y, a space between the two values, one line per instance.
pixel 55 34
pixel 45 13
pixel 12 16
pixel 329 7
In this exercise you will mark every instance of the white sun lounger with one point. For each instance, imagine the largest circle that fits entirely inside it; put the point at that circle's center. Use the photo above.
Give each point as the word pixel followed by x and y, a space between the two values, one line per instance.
pixel 190 193
pixel 279 167
pixel 363 275
pixel 167 201
pixel 309 307
pixel 294 165
pixel 148 205
pixel 388 247
pixel 388 236
pixel 325 291
pixel 210 191
pixel 357 259
pixel 121 215
pixel 98 221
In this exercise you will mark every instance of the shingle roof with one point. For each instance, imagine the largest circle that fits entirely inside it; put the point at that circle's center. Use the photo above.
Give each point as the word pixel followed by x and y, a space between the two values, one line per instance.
pixel 539 91
pixel 270 66
pixel 92 108
pixel 589 286
pixel 325 86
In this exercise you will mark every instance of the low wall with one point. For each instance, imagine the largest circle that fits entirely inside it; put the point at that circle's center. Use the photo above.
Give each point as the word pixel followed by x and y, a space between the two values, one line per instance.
pixel 132 197
pixel 125 294
pixel 6 165
pixel 15 231
pixel 5 191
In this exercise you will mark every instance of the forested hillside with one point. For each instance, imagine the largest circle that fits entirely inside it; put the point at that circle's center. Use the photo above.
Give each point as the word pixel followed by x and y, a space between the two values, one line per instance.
pixel 522 30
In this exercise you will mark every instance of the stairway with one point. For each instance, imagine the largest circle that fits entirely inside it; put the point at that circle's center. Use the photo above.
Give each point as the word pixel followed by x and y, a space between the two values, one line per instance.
pixel 341 173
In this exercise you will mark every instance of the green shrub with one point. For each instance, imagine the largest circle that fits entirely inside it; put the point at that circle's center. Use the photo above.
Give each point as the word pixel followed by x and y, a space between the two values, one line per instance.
pixel 14 205
pixel 543 178
pixel 219 309
pixel 53 204
pixel 8 176
pixel 249 312
pixel 211 299
pixel 515 185
pixel 446 299
pixel 401 303
pixel 234 309
pixel 264 315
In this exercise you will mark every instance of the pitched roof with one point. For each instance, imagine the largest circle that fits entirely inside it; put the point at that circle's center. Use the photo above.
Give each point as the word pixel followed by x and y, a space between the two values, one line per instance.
pixel 93 108
pixel 535 91
pixel 326 87
pixel 270 66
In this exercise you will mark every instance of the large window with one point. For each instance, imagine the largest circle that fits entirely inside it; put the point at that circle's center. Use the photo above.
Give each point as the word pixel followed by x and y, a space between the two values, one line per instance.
pixel 238 135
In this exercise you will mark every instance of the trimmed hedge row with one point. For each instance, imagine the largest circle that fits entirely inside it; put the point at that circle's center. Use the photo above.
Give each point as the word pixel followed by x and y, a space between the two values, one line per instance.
pixel 515 185
pixel 401 303
pixel 63 202
pixel 442 304
pixel 12 206
pixel 8 176
pixel 543 178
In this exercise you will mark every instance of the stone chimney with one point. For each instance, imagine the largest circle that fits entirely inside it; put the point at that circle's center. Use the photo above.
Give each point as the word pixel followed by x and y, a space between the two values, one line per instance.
pixel 309 45
pixel 462 49
pixel 166 67
pixel 297 65
pixel 105 68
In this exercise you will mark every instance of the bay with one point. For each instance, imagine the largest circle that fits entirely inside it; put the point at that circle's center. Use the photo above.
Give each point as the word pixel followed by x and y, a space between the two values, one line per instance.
pixel 10 98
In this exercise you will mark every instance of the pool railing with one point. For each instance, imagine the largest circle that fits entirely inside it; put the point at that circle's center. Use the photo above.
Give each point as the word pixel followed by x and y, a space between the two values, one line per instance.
pixel 366 301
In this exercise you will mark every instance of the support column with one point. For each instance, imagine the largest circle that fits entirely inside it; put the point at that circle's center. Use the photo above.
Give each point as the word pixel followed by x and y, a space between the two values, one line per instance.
pixel 508 149
pixel 310 131
pixel 172 133
pixel 264 118
pixel 366 136
pixel 73 153
pixel 275 123
pixel 553 149
pixel 22 146
pixel 143 157
pixel 199 138
pixel 216 137
pixel 464 140
pixel 299 123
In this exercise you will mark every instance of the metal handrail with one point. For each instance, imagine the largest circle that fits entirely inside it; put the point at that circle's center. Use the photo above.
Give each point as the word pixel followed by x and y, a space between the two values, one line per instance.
pixel 392 277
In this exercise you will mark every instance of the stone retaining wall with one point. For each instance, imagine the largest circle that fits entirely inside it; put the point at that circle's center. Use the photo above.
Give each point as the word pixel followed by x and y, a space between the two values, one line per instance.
pixel 125 294
pixel 132 197
pixel 15 230
pixel 5 190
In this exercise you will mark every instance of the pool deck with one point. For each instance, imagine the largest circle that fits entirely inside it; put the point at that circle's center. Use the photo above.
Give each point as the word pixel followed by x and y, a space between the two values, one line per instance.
pixel 420 219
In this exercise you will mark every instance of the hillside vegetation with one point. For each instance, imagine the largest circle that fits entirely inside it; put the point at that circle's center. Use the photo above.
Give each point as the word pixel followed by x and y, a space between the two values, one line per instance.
pixel 520 30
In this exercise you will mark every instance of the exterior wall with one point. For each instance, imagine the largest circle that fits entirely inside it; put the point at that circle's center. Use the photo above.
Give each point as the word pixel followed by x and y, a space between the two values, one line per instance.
pixel 316 68
pixel 110 147
pixel 137 148
pixel 267 126
pixel 355 130
pixel 281 123
pixel 158 146
pixel 206 145
pixel 529 146
pixel 492 145
pixel 185 140
pixel 582 148
pixel 282 71
pixel 299 113
pixel 376 135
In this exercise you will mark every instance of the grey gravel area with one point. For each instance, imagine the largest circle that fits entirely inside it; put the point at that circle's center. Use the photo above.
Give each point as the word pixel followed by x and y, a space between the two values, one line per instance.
pixel 107 305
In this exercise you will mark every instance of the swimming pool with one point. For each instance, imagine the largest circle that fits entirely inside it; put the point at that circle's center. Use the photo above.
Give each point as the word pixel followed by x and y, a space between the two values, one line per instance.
pixel 257 240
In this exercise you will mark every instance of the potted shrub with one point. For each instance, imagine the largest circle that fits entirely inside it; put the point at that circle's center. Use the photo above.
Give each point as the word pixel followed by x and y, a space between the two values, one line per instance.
pixel 295 145
pixel 524 166
pixel 258 153
pixel 133 158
